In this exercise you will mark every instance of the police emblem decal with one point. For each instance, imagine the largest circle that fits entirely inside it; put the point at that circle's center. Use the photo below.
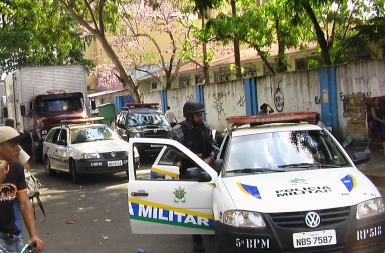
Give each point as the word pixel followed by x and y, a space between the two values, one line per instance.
pixel 179 195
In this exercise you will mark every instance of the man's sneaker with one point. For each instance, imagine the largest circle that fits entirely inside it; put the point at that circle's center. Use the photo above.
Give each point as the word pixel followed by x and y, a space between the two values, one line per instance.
pixel 198 247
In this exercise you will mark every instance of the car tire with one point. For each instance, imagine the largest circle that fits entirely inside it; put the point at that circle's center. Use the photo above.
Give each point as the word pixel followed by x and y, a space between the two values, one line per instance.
pixel 48 168
pixel 217 248
pixel 75 175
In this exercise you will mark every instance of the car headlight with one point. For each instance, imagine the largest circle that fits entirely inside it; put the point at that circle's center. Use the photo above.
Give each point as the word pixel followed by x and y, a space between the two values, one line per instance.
pixel 89 156
pixel 243 219
pixel 135 135
pixel 370 208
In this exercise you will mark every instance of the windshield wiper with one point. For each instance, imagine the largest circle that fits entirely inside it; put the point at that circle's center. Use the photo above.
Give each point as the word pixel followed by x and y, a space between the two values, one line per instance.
pixel 255 170
pixel 333 165
pixel 299 165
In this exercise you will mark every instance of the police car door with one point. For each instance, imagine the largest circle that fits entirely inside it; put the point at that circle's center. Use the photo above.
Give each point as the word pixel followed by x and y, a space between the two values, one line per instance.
pixel 61 149
pixel 168 205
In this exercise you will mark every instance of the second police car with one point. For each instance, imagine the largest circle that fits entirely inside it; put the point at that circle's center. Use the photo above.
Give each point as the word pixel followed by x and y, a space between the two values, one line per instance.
pixel 285 186
pixel 83 147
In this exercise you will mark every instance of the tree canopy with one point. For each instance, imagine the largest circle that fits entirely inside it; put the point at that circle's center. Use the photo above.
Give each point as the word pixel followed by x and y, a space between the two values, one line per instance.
pixel 39 32
pixel 36 32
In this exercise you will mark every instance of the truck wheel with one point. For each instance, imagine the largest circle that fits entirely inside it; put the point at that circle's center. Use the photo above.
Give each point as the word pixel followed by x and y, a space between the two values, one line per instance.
pixel 48 168
pixel 75 175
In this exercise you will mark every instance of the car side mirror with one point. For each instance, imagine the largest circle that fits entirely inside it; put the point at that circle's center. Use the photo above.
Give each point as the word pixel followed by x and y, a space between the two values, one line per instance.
pixel 361 157
pixel 22 110
pixel 61 142
pixel 195 174
pixel 93 104
pixel 217 165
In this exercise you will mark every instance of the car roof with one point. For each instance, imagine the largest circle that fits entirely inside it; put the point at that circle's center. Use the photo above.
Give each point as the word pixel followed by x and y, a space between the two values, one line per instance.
pixel 141 112
pixel 74 126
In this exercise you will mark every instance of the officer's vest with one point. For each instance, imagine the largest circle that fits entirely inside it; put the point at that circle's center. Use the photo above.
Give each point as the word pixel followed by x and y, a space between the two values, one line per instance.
pixel 196 140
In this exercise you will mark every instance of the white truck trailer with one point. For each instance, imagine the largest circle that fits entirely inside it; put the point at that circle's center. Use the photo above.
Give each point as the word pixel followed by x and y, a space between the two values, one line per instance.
pixel 39 97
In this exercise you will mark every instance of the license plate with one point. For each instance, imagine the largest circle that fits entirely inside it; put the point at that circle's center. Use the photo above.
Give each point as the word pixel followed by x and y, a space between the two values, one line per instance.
pixel 315 238
pixel 115 163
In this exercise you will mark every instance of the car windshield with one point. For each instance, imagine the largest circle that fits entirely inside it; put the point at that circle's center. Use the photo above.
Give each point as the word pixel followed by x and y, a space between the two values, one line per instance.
pixel 54 105
pixel 283 151
pixel 92 133
pixel 149 119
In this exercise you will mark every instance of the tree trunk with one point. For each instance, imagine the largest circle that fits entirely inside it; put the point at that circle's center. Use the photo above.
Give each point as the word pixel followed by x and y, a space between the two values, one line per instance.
pixel 320 34
pixel 127 81
pixel 237 54
pixel 281 47
pixel 204 51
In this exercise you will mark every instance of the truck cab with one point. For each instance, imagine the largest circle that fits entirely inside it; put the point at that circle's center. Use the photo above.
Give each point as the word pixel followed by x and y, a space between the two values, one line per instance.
pixel 47 110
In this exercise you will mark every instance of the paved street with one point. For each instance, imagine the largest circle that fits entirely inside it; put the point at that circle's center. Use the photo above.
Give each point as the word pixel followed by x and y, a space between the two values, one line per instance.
pixel 98 209
pixel 93 216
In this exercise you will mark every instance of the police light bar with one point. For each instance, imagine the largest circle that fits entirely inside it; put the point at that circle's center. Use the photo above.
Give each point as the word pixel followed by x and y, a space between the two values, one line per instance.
pixel 131 105
pixel 76 121
pixel 289 117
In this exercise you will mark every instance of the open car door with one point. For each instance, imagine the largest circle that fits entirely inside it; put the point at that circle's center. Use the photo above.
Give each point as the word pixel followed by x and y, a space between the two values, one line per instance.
pixel 165 204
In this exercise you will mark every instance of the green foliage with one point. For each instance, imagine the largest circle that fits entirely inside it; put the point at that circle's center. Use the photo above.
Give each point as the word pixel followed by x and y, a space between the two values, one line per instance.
pixel 202 5
pixel 38 32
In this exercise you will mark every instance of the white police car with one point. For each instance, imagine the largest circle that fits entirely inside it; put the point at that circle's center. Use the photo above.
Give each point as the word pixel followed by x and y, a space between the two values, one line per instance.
pixel 82 147
pixel 284 186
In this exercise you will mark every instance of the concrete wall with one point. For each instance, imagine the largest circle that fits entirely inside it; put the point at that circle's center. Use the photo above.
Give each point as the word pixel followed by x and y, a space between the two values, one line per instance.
pixel 367 77
pixel 299 91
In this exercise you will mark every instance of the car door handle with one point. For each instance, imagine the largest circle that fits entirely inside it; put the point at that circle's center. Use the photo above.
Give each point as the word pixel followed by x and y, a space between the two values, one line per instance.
pixel 139 193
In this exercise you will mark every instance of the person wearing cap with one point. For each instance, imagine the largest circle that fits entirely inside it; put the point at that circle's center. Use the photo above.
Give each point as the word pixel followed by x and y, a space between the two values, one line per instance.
pixel 13 187
pixel 23 159
pixel 264 110
pixel 196 135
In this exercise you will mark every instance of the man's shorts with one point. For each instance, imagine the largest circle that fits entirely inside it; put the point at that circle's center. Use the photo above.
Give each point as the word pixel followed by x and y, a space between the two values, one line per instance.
pixel 11 243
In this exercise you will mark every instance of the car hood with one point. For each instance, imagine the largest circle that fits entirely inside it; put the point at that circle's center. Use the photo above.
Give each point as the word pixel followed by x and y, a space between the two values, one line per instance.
pixel 101 146
pixel 300 190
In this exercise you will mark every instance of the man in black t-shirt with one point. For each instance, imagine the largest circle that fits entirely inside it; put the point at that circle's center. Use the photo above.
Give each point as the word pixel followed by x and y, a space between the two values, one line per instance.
pixel 12 185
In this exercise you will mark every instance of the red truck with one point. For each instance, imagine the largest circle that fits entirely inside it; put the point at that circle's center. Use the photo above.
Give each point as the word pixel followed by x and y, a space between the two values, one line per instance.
pixel 38 98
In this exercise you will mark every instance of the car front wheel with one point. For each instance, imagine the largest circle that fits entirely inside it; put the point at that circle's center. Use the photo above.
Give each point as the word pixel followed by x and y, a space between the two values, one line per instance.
pixel 48 168
pixel 75 175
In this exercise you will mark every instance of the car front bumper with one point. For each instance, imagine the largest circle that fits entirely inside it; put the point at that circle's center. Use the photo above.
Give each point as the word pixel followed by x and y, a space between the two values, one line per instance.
pixel 88 166
pixel 353 236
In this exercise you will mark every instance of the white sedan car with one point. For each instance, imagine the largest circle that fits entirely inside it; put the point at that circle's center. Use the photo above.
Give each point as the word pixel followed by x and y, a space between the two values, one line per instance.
pixel 85 148
pixel 285 185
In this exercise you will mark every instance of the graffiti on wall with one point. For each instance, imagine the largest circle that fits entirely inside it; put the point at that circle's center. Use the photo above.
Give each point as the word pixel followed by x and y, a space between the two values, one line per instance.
pixel 218 104
pixel 190 97
pixel 241 101
pixel 370 84
pixel 279 99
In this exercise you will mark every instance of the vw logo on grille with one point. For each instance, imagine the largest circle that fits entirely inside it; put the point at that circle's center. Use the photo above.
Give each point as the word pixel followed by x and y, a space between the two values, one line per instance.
pixel 113 154
pixel 312 219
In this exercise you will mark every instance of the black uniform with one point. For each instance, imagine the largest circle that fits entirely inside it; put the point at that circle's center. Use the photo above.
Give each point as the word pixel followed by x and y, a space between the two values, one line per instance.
pixel 199 139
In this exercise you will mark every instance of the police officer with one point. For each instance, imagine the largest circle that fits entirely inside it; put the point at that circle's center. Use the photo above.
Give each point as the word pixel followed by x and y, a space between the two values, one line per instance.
pixel 196 135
